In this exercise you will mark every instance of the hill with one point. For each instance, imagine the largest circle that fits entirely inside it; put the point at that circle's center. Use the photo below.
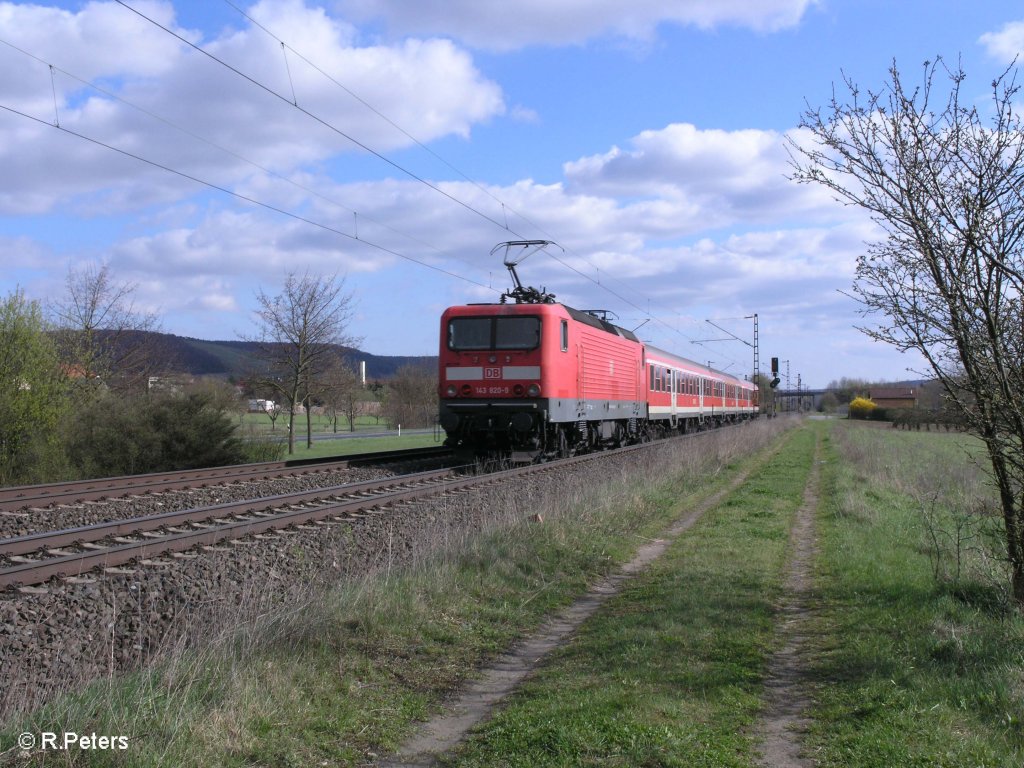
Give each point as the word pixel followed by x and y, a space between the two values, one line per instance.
pixel 200 357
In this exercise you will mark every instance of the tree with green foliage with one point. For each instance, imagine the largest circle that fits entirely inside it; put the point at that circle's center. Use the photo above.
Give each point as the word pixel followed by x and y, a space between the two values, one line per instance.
pixel 32 395
pixel 940 174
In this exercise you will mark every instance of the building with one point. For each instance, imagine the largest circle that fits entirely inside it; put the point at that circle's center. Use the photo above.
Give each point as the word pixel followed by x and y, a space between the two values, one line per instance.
pixel 894 398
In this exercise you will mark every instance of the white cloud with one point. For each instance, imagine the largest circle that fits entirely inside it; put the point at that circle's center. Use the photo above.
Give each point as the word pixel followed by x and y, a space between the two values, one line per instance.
pixel 496 25
pixel 1007 43
pixel 429 84
pixel 701 178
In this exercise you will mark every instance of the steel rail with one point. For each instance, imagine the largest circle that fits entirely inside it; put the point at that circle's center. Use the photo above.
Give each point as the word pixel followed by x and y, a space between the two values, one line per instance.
pixel 38 542
pixel 19 497
pixel 25 574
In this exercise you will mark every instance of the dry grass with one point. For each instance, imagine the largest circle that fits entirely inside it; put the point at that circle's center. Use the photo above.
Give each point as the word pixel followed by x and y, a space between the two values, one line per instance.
pixel 944 477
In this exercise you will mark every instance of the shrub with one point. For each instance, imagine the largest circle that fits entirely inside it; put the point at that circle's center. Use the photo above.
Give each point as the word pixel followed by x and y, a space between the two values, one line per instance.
pixel 861 408
pixel 256 449
pixel 123 436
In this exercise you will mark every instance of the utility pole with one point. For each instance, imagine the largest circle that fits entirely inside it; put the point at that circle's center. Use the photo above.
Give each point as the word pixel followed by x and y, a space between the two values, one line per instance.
pixel 757 348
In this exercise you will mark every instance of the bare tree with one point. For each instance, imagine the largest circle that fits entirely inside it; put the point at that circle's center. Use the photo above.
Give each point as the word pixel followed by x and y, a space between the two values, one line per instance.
pixel 943 181
pixel 100 334
pixel 411 397
pixel 342 392
pixel 299 329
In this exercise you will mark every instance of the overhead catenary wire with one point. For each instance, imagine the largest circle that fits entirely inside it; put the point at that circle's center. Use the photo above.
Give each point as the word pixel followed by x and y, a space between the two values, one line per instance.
pixel 293 102
pixel 505 207
pixel 240 196
pixel 326 124
pixel 219 147
pixel 389 161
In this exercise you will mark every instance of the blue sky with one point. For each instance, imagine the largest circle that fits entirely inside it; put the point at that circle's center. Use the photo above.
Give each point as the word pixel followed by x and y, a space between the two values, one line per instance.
pixel 646 137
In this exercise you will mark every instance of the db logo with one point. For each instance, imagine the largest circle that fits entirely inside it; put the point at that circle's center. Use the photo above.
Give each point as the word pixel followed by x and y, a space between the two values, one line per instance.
pixel 492 373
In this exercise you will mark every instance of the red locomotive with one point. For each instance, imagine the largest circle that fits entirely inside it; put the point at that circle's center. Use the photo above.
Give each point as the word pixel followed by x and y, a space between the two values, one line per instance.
pixel 538 378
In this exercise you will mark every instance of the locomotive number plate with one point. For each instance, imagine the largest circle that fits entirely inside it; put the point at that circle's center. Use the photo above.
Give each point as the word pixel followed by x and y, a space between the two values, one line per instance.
pixel 493 390
pixel 492 373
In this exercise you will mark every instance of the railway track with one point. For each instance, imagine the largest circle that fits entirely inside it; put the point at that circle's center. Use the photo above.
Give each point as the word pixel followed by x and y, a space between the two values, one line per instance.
pixel 22 497
pixel 74 552
pixel 39 557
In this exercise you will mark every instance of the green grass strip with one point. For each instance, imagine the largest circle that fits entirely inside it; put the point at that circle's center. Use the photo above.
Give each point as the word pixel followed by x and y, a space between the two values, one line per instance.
pixel 912 671
pixel 346 446
pixel 669 672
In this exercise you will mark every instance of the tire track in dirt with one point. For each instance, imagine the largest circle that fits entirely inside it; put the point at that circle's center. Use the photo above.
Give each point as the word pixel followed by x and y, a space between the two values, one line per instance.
pixel 787 691
pixel 502 676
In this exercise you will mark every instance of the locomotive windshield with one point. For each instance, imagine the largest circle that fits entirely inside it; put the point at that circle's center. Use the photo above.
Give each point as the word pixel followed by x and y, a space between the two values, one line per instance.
pixel 474 333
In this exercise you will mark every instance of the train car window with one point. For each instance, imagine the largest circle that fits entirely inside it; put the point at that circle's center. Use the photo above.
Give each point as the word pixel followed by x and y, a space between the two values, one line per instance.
pixel 516 332
pixel 565 335
pixel 469 333
pixel 651 388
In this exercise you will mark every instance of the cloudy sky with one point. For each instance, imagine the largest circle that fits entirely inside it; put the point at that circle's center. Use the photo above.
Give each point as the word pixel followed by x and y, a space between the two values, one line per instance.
pixel 205 148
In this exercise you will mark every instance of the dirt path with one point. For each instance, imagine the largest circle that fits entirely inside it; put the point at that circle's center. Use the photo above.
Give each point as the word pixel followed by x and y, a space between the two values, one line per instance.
pixel 787 697
pixel 501 677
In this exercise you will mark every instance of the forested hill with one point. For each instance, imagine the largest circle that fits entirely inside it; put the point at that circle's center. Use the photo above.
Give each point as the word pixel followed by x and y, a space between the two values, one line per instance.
pixel 239 359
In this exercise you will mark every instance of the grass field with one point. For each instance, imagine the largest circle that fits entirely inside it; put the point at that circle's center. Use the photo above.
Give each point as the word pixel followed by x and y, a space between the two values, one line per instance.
pixel 919 662
pixel 260 423
pixel 351 445
pixel 327 442
pixel 916 656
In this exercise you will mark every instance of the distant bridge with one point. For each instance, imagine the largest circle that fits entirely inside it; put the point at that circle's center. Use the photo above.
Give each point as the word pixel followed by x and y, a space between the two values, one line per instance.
pixel 798 399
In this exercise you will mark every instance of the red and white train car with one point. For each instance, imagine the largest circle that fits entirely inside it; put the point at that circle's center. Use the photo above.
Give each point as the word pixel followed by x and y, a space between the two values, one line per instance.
pixel 547 379
pixel 684 393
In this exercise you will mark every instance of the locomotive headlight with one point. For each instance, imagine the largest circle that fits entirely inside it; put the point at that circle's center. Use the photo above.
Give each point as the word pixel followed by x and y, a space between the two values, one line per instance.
pixel 452 390
pixel 533 390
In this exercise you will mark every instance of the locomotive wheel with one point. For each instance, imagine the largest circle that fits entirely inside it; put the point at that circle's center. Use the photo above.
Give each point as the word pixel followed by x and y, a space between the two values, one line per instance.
pixel 563 445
